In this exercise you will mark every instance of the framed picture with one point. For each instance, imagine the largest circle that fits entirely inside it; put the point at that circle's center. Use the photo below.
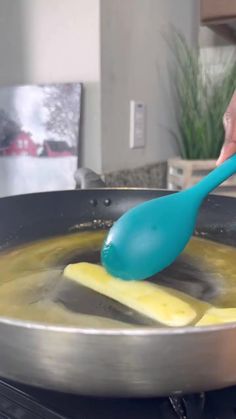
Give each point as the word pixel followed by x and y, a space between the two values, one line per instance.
pixel 39 137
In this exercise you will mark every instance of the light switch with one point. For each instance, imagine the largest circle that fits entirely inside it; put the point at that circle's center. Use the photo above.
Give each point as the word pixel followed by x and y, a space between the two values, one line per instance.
pixel 137 124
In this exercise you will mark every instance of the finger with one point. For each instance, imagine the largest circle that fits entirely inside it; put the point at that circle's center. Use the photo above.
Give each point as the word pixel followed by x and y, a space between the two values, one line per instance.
pixel 229 121
pixel 227 151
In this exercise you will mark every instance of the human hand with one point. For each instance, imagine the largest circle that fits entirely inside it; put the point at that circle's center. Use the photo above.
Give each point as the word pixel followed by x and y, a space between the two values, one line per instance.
pixel 229 120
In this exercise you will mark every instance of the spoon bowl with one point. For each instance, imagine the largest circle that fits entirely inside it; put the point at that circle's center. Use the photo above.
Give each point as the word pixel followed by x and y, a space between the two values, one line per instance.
pixel 150 236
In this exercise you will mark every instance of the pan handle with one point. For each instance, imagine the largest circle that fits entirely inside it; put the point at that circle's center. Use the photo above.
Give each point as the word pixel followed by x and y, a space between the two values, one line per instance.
pixel 87 179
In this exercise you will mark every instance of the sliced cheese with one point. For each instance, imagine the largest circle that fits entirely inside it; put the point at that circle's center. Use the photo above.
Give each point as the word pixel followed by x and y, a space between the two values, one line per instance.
pixel 215 316
pixel 159 303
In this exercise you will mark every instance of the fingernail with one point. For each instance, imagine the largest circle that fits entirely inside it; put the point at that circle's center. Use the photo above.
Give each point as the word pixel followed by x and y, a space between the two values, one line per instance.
pixel 220 158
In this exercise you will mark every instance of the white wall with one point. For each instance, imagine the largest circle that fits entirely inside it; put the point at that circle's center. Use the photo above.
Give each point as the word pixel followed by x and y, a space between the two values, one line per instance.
pixel 216 52
pixel 117 42
pixel 134 66
pixel 55 41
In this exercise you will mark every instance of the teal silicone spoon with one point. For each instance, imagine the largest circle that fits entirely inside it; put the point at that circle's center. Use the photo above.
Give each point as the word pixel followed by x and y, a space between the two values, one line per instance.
pixel 150 236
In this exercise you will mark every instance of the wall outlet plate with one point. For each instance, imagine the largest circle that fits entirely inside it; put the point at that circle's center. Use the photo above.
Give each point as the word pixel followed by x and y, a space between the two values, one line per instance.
pixel 137 124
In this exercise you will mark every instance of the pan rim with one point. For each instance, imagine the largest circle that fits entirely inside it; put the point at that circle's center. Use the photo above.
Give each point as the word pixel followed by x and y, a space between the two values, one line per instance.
pixel 107 188
pixel 134 332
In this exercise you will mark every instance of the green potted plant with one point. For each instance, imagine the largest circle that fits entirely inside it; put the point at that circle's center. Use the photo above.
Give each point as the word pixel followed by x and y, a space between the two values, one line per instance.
pixel 201 101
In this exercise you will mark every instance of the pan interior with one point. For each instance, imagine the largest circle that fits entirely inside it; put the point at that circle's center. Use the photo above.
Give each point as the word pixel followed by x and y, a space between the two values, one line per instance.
pixel 33 288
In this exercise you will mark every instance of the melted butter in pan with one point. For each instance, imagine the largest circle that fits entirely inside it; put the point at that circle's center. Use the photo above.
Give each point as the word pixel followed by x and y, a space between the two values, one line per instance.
pixel 33 288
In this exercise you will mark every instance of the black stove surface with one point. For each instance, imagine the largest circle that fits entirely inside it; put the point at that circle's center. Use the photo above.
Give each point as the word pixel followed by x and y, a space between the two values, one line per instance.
pixel 21 402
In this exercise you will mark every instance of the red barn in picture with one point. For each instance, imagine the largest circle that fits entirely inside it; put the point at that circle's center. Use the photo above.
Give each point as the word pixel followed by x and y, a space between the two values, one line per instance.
pixel 20 145
pixel 52 148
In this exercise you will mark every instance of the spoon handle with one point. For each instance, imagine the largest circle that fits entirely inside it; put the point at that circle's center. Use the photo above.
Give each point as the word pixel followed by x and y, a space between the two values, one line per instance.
pixel 215 178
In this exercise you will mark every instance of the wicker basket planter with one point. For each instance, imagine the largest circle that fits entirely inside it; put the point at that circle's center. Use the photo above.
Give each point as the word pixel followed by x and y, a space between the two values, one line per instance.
pixel 183 174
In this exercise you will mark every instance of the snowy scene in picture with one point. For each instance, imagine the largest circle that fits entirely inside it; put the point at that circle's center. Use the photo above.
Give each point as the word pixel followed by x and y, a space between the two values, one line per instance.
pixel 39 137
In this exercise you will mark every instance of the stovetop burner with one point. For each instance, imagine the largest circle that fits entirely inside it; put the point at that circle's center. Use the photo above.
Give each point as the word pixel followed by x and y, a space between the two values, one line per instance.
pixel 22 402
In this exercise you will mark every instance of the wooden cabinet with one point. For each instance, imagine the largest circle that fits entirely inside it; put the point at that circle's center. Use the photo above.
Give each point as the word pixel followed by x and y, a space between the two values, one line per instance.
pixel 220 15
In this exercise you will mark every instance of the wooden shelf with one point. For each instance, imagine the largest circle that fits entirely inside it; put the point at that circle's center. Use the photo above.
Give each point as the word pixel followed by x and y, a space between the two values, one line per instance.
pixel 218 11
pixel 220 16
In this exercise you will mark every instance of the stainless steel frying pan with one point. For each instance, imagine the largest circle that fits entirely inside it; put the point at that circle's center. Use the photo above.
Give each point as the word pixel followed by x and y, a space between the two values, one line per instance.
pixel 145 361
